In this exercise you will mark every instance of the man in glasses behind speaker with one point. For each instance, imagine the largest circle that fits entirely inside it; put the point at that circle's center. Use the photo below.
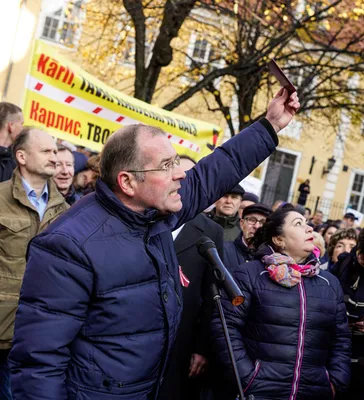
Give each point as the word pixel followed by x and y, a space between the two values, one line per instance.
pixel 241 250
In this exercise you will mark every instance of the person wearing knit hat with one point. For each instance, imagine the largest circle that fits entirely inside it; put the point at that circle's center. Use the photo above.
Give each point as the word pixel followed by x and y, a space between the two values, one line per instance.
pixel 247 200
pixel 226 214
pixel 239 251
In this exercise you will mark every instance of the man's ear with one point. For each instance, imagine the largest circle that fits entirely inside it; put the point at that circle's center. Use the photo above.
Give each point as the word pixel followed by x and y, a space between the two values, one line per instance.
pixel 10 127
pixel 126 182
pixel 242 223
pixel 21 157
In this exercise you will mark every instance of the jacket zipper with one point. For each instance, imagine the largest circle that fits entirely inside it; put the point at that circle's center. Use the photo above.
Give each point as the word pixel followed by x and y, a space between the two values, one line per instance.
pixel 328 378
pixel 301 341
pixel 166 347
pixel 173 283
pixel 255 373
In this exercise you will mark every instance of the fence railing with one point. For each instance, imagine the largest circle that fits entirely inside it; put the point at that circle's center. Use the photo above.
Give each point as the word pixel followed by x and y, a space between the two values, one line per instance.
pixel 331 209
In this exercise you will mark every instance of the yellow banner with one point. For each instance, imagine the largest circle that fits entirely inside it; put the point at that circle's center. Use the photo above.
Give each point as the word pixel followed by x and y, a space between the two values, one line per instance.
pixel 75 106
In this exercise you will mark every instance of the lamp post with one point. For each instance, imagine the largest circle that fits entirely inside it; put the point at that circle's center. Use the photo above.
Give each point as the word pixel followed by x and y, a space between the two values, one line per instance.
pixel 330 164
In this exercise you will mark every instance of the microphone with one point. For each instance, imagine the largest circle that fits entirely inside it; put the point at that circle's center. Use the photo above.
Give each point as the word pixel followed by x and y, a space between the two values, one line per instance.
pixel 207 249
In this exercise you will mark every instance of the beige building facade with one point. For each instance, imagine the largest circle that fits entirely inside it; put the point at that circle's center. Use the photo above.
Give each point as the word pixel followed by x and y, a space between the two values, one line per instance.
pixel 332 158
pixel 19 21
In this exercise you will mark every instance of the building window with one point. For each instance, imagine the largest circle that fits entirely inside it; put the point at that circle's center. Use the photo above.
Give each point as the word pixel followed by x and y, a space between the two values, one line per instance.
pixel 50 28
pixel 357 193
pixel 201 54
pixel 201 51
pixel 64 24
pixel 129 51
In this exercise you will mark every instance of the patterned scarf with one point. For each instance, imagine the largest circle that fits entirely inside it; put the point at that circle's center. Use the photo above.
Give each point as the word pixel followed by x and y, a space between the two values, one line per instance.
pixel 284 270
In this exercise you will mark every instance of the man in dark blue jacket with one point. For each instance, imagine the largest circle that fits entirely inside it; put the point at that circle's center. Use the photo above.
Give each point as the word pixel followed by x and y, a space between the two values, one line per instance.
pixel 240 250
pixel 101 297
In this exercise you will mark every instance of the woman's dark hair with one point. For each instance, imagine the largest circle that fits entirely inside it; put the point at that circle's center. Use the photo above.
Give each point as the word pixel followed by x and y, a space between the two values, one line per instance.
pixel 288 206
pixel 328 227
pixel 272 227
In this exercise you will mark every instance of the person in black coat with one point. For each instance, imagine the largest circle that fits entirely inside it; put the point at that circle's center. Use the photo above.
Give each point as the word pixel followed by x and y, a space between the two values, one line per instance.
pixel 304 190
pixel 189 359
pixel 11 123
pixel 290 336
pixel 350 271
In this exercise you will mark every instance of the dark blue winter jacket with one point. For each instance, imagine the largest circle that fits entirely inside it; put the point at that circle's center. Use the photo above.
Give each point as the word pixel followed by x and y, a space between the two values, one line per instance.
pixel 289 343
pixel 236 253
pixel 101 298
pixel 73 196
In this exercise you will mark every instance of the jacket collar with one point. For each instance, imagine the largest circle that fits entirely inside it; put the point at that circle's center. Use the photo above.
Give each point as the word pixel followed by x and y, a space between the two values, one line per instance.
pixel 29 190
pixel 225 222
pixel 6 153
pixel 72 196
pixel 19 193
pixel 150 220
pixel 242 247
pixel 191 232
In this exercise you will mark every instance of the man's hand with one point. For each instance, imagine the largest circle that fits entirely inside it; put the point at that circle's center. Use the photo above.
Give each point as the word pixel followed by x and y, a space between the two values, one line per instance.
pixel 359 326
pixel 282 109
pixel 197 365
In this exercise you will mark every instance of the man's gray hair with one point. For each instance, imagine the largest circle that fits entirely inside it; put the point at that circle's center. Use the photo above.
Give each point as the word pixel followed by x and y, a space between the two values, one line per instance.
pixel 121 152
pixel 61 147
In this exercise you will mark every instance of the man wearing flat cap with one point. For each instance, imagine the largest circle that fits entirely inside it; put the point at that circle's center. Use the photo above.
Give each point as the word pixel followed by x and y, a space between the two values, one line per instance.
pixel 226 212
pixel 247 200
pixel 239 251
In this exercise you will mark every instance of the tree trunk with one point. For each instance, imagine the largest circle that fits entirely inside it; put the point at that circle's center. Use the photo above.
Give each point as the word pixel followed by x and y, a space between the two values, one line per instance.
pixel 247 89
pixel 175 13
pixel 135 9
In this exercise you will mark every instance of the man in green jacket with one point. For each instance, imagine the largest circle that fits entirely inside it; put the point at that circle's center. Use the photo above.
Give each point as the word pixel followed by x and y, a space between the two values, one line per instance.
pixel 226 212
pixel 29 202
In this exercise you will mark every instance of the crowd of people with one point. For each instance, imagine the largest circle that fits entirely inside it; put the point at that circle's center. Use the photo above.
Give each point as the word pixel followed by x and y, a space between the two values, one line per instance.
pixel 287 244
pixel 105 296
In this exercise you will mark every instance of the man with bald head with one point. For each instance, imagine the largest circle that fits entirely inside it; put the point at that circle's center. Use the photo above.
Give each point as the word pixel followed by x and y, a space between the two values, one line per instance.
pixel 101 299
pixel 29 202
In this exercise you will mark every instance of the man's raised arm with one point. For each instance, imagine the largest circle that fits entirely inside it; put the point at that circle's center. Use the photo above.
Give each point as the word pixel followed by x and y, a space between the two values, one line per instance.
pixel 217 173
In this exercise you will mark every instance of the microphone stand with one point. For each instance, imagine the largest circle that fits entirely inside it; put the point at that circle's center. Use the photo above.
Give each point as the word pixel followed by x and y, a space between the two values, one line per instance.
pixel 217 299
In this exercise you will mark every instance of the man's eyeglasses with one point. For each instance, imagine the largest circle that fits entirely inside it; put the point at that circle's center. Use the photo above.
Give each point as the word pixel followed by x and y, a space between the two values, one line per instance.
pixel 253 221
pixel 167 167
